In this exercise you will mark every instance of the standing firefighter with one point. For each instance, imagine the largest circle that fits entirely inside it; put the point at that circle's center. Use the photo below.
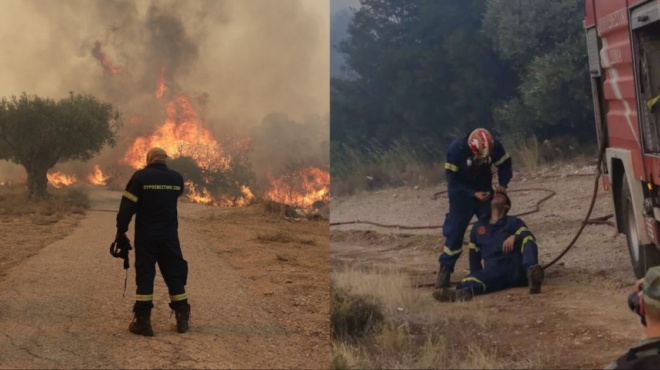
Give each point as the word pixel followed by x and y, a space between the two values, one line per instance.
pixel 152 195
pixel 470 186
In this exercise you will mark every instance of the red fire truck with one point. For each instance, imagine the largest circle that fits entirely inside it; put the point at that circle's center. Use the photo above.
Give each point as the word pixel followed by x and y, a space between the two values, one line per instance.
pixel 623 43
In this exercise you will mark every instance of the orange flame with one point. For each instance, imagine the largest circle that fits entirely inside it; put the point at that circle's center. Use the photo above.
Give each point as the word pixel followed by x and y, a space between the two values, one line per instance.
pixel 203 196
pixel 58 179
pixel 97 178
pixel 302 188
pixel 108 68
pixel 182 134
pixel 247 197
pixel 160 85
pixel 198 196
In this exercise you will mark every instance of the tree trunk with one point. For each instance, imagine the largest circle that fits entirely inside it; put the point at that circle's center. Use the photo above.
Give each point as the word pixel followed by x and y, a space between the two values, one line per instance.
pixel 36 181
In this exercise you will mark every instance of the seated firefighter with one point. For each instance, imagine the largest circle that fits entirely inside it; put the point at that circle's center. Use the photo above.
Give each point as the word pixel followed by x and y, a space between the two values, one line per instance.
pixel 509 253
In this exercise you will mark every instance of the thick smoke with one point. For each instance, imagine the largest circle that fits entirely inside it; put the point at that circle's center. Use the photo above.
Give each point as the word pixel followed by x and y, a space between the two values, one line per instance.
pixel 244 64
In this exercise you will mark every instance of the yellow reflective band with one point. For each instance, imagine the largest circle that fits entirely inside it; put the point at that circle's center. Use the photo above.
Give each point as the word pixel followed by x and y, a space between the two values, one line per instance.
pixel 521 230
pixel 504 158
pixel 178 297
pixel 451 252
pixel 652 102
pixel 474 246
pixel 161 187
pixel 525 242
pixel 130 197
pixel 470 278
pixel 144 297
pixel 451 167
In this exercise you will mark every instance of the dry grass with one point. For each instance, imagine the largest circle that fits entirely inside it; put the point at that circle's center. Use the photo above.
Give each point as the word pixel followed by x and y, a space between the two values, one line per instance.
pixel 14 202
pixel 417 331
pixel 525 152
pixel 375 166
pixel 353 315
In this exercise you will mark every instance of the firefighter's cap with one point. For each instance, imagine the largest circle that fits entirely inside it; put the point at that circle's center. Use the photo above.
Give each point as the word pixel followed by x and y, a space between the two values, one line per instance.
pixel 651 287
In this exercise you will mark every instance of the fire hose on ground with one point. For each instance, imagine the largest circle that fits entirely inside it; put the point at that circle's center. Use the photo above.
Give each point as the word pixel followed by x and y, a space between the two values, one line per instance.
pixel 551 193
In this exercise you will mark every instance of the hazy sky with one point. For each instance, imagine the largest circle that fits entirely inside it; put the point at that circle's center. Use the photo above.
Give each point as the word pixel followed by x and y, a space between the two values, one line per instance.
pixel 254 56
pixel 245 59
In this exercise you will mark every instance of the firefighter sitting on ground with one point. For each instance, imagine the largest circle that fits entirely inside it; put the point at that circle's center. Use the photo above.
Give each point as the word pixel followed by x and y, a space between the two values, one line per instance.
pixel 508 250
pixel 469 186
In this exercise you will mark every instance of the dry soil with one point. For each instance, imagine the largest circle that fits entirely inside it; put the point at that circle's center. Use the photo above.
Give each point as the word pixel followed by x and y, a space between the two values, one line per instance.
pixel 581 319
pixel 61 305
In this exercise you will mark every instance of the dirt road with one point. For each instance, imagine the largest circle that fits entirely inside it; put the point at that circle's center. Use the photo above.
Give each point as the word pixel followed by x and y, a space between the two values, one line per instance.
pixel 63 308
pixel 580 320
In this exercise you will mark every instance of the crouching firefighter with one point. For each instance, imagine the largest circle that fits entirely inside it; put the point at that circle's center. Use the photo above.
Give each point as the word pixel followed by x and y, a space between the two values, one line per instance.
pixel 151 195
pixel 469 186
pixel 509 253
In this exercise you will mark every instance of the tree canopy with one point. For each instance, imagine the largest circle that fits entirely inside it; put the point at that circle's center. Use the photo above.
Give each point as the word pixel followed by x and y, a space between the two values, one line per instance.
pixel 429 70
pixel 37 132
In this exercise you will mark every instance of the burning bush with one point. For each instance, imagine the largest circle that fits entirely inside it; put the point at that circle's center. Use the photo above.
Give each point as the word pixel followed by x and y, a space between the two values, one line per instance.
pixel 227 185
pixel 300 186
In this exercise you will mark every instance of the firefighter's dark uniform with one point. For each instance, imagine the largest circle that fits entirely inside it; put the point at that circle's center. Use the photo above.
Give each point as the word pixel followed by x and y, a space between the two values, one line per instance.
pixel 646 355
pixel 152 195
pixel 465 177
pixel 500 270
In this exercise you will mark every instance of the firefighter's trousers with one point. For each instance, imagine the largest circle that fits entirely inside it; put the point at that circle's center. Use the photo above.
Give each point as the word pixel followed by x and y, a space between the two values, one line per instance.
pixel 167 254
pixel 461 211
pixel 502 273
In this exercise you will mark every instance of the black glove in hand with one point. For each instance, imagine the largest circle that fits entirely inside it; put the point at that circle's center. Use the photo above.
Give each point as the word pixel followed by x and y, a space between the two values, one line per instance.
pixel 120 248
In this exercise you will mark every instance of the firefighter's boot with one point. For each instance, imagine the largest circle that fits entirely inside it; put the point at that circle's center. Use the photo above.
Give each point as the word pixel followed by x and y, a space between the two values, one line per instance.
pixel 453 295
pixel 535 276
pixel 442 280
pixel 182 315
pixel 442 283
pixel 141 324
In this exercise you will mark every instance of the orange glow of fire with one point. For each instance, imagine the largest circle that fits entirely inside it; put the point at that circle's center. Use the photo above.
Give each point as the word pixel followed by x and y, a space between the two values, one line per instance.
pixel 301 189
pixel 246 198
pixel 104 60
pixel 198 196
pixel 97 178
pixel 58 179
pixel 160 85
pixel 182 134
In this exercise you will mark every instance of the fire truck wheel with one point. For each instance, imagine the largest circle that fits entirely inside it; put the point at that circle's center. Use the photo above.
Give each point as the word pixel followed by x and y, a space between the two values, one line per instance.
pixel 642 257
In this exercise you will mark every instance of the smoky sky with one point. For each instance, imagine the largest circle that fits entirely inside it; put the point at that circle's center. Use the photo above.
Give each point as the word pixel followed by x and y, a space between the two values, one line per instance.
pixel 239 61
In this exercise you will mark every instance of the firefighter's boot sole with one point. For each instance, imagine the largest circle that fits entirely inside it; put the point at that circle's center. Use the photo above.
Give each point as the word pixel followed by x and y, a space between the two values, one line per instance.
pixel 141 324
pixel 535 277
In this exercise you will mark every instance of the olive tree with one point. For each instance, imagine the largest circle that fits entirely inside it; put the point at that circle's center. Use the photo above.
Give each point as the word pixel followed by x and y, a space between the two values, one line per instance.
pixel 38 133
